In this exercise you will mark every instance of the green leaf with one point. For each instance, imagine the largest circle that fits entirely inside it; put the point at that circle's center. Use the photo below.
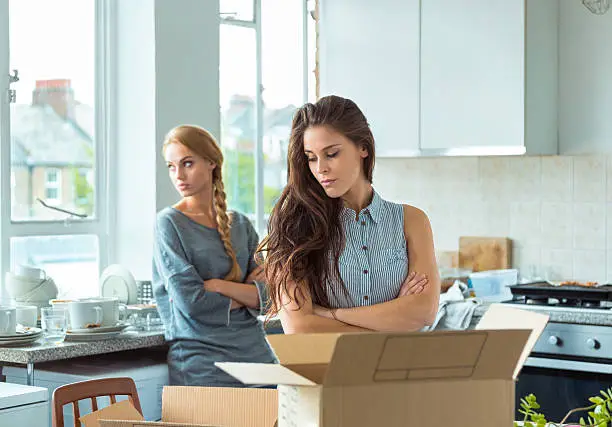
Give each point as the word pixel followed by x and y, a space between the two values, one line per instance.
pixel 582 422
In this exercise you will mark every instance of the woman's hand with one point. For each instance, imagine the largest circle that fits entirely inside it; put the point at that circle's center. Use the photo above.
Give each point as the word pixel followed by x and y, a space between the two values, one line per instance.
pixel 211 285
pixel 256 275
pixel 414 284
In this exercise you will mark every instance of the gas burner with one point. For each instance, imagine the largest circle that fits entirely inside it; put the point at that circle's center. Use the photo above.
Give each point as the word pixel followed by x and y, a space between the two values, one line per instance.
pixel 578 303
pixel 536 300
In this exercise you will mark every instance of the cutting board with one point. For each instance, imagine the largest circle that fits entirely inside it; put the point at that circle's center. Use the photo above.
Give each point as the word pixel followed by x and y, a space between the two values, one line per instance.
pixel 485 253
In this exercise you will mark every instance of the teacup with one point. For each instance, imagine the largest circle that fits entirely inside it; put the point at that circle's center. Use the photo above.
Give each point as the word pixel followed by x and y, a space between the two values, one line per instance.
pixel 8 320
pixel 113 311
pixel 85 314
pixel 27 315
pixel 30 272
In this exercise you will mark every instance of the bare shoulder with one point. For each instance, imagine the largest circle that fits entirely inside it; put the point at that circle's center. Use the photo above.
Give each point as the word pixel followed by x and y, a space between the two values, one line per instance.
pixel 414 216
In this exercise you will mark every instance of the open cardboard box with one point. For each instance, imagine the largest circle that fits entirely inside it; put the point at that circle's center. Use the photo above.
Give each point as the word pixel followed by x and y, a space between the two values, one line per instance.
pixel 196 407
pixel 440 378
pixel 459 378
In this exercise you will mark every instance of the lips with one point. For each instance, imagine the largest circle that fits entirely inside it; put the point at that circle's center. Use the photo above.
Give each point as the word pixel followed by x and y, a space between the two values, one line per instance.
pixel 327 182
pixel 182 186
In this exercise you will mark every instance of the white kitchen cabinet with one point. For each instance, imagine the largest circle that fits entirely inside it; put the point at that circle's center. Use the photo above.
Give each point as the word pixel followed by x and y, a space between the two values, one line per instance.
pixel 369 52
pixel 22 405
pixel 489 76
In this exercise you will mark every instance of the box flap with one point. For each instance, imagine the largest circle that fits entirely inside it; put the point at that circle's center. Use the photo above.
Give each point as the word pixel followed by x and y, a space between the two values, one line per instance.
pixel 220 406
pixel 303 349
pixel 263 373
pixel 123 410
pixel 372 358
pixel 503 317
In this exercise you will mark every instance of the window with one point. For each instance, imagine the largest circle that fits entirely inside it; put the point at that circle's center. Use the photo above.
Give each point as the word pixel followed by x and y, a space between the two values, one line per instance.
pixel 53 186
pixel 265 74
pixel 52 139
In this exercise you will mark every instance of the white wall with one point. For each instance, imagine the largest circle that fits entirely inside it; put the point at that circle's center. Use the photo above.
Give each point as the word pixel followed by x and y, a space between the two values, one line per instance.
pixel 585 79
pixel 556 209
pixel 166 74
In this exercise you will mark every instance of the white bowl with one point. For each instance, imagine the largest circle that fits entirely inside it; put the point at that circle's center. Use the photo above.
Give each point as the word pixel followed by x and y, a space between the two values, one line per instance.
pixel 44 292
pixel 19 285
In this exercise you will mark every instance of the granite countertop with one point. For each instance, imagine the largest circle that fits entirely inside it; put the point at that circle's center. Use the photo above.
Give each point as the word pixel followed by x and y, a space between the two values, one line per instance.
pixel 44 352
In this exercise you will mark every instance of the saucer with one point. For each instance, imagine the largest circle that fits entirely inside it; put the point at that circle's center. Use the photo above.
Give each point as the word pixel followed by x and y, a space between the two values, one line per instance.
pixel 99 330
pixel 72 336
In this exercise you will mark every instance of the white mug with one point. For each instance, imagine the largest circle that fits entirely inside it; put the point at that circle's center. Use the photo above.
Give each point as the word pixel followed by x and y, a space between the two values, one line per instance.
pixel 114 312
pixel 8 320
pixel 27 315
pixel 30 272
pixel 85 314
pixel 62 303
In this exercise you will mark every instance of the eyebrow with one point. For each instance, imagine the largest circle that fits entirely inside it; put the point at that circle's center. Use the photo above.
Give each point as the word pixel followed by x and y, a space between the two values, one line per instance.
pixel 182 160
pixel 324 148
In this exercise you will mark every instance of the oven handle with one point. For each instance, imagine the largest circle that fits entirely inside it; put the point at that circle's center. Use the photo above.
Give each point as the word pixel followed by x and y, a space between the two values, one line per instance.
pixel 568 365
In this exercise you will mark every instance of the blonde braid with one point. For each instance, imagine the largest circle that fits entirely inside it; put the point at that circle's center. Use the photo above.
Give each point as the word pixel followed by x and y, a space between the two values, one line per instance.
pixel 223 226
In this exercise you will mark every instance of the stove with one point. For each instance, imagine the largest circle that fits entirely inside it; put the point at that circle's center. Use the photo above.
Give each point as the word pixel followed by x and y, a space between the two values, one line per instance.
pixel 572 359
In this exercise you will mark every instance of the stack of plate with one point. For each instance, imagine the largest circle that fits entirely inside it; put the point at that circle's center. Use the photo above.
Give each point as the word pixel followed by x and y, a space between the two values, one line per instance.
pixel 23 337
pixel 95 334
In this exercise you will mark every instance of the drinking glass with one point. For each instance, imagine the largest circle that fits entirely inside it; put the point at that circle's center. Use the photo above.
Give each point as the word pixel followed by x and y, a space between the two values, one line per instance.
pixel 53 322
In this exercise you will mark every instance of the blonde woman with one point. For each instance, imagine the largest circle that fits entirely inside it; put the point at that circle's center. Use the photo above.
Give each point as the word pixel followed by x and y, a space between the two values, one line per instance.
pixel 204 269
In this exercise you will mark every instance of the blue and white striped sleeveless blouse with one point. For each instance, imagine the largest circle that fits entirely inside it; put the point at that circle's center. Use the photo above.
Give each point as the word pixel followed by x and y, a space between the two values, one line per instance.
pixel 374 263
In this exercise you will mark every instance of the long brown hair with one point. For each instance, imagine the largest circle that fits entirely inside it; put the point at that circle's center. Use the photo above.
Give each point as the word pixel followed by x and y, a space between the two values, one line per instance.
pixel 202 143
pixel 305 231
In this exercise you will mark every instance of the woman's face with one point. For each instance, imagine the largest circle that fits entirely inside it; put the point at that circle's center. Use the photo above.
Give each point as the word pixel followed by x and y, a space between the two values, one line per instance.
pixel 190 173
pixel 334 160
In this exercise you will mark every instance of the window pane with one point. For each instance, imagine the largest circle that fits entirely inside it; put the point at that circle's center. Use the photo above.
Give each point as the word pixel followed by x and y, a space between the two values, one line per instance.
pixel 238 138
pixel 312 52
pixel 52 122
pixel 71 261
pixel 283 82
pixel 238 10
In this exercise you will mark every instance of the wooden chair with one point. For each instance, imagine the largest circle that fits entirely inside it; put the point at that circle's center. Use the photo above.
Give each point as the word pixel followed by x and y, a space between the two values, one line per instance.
pixel 72 393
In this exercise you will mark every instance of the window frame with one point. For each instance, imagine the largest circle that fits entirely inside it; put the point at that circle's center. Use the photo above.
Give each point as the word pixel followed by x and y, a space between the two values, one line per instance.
pixel 260 219
pixel 98 225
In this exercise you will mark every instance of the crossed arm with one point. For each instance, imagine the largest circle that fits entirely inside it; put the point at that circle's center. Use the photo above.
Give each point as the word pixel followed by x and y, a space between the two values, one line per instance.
pixel 415 307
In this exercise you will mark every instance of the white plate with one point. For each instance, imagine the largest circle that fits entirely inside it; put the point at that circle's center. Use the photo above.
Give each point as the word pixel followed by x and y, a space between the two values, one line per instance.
pixel 22 334
pixel 117 281
pixel 91 337
pixel 99 330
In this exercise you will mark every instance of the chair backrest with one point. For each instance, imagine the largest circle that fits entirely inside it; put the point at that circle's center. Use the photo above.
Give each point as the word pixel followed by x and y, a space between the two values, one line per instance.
pixel 92 389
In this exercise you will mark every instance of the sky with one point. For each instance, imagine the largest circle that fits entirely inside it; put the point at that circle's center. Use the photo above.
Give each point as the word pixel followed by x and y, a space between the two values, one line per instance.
pixel 53 39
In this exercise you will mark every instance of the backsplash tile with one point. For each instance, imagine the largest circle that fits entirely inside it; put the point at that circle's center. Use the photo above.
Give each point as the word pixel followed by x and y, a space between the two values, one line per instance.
pixel 590 226
pixel 558 225
pixel 590 265
pixel 589 178
pixel 556 209
pixel 557 182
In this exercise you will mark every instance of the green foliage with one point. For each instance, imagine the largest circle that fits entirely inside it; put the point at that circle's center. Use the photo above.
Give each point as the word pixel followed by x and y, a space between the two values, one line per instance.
pixel 83 192
pixel 598 412
pixel 239 181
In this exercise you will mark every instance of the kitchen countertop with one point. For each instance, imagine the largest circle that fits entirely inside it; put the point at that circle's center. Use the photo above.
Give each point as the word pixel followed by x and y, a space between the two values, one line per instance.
pixel 44 352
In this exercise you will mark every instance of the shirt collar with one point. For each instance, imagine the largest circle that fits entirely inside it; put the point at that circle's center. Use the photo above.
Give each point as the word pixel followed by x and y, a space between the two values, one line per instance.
pixel 374 209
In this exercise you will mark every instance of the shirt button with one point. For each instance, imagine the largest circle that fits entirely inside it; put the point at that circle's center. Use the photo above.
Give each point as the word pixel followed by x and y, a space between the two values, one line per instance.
pixel 365 297
pixel 170 300
pixel 365 271
pixel 364 247
pixel 362 222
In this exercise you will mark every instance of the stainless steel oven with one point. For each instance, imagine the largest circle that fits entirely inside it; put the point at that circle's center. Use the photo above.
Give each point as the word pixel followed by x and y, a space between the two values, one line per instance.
pixel 569 364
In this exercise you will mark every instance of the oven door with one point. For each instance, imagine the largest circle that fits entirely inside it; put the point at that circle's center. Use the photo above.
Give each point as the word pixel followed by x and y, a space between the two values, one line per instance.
pixel 561 385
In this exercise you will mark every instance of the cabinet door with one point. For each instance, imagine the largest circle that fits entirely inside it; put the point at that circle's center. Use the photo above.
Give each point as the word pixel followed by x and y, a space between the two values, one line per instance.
pixel 472 73
pixel 369 52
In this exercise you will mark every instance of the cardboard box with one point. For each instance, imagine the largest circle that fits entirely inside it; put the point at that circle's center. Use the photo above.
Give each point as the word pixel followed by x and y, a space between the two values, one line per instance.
pixel 458 378
pixel 199 407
